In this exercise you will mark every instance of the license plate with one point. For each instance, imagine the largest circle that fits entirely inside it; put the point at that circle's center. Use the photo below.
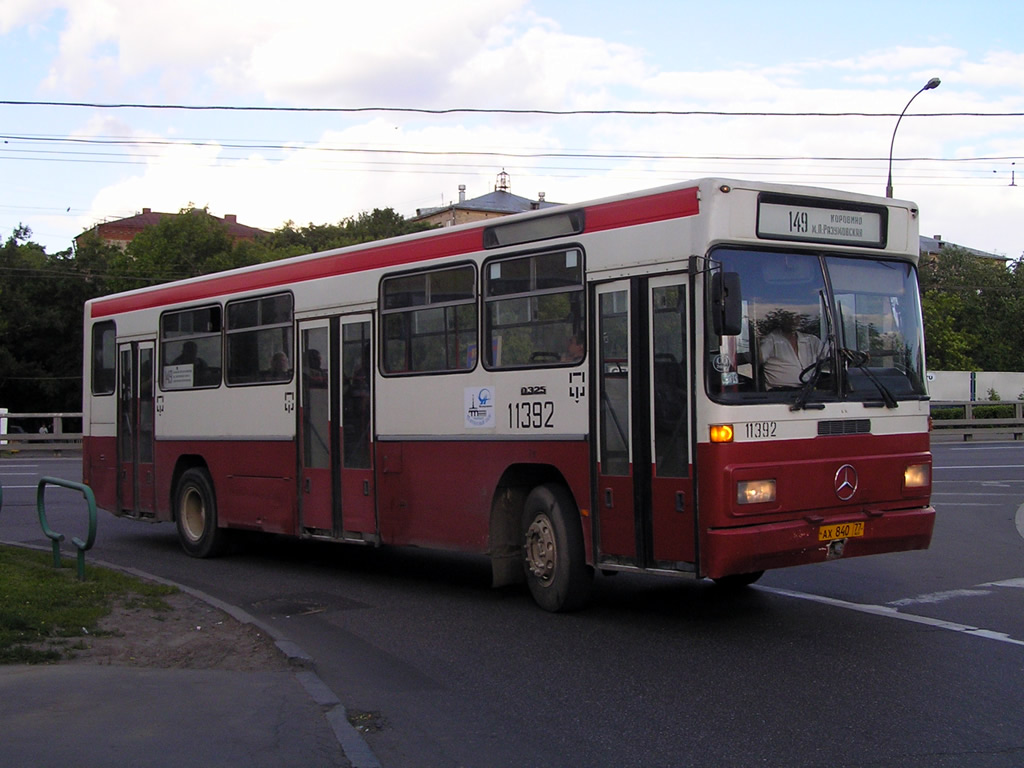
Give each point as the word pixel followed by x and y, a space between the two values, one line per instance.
pixel 840 531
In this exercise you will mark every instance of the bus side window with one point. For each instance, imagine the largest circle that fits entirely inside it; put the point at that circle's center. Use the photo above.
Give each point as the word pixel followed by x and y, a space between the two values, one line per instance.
pixel 534 310
pixel 190 356
pixel 104 358
pixel 429 321
pixel 259 340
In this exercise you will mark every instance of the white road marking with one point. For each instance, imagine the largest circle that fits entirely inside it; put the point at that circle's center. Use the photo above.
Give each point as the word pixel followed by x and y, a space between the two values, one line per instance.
pixel 891 613
pixel 983 466
pixel 1014 583
pixel 939 597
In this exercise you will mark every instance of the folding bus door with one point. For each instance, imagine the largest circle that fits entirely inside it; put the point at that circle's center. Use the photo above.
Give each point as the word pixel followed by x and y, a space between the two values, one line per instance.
pixel 336 428
pixel 316 492
pixel 135 429
pixel 358 507
pixel 644 508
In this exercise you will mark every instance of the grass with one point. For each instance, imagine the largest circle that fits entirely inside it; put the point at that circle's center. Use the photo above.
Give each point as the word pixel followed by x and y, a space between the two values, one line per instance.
pixel 45 611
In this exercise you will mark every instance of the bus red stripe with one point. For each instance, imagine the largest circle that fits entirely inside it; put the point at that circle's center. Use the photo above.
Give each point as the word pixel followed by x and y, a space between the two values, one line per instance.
pixel 623 213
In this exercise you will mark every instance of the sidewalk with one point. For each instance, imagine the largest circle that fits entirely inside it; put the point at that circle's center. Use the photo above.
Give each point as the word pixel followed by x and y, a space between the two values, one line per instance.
pixel 89 715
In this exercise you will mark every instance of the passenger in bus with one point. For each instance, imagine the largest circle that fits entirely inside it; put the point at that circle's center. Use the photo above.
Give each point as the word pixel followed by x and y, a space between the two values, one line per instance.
pixel 786 352
pixel 316 377
pixel 189 355
pixel 573 350
pixel 280 368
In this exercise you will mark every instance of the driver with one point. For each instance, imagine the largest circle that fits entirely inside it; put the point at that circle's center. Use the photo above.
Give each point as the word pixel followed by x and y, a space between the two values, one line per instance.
pixel 785 352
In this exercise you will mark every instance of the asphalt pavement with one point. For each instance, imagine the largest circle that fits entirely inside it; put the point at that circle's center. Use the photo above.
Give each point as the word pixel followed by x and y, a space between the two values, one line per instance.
pixel 101 715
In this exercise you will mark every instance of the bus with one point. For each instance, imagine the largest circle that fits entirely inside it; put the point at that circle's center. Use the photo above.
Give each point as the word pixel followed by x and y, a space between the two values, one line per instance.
pixel 707 379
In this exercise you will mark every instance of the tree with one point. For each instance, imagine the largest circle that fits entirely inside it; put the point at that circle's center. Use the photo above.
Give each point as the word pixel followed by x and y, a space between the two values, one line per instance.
pixel 376 225
pixel 973 309
pixel 42 296
pixel 41 300
pixel 190 244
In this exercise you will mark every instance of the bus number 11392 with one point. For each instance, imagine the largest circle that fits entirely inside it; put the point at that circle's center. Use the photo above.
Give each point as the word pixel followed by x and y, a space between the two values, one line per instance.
pixel 538 414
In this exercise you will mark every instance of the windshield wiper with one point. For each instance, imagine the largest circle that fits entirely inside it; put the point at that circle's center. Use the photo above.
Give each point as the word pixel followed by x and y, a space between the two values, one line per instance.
pixel 859 360
pixel 818 367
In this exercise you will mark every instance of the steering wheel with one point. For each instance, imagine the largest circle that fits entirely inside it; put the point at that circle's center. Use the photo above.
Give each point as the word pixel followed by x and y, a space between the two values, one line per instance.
pixel 823 365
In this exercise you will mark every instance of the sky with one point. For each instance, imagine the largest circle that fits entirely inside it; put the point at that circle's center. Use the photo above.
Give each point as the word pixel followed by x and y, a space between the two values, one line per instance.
pixel 295 138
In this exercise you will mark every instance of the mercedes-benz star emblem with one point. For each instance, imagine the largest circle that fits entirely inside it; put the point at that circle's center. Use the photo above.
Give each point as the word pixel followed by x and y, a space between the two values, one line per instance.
pixel 846 482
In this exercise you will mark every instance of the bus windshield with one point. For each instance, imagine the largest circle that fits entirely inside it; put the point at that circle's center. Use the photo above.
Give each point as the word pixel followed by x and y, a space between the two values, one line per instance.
pixel 818 327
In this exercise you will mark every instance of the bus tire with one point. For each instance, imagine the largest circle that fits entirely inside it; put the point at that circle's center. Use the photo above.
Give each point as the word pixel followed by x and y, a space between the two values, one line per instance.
pixel 195 507
pixel 554 556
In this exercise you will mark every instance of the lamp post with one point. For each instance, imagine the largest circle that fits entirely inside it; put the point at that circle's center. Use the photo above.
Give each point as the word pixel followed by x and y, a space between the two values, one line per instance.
pixel 933 83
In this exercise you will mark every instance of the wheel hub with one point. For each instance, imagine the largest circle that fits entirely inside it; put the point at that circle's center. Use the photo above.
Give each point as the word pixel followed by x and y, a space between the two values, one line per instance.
pixel 541 553
pixel 193 512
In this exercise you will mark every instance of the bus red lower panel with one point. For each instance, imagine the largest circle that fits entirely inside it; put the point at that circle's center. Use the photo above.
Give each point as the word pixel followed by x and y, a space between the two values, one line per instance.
pixel 777 545
pixel 254 481
pixel 439 494
pixel 99 470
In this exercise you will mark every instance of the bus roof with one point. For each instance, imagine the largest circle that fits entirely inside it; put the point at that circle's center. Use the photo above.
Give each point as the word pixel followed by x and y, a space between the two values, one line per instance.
pixel 630 209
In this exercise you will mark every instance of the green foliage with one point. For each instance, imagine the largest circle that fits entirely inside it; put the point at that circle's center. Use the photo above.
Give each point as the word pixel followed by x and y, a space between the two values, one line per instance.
pixel 973 312
pixel 42 295
pixel 366 227
pixel 42 607
pixel 41 300
pixel 992 412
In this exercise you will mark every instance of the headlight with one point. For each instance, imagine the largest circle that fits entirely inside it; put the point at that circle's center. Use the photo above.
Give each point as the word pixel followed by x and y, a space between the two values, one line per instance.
pixel 755 491
pixel 917 476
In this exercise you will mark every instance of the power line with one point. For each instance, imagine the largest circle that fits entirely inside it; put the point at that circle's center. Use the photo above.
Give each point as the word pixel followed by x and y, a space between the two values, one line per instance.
pixel 570 155
pixel 488 111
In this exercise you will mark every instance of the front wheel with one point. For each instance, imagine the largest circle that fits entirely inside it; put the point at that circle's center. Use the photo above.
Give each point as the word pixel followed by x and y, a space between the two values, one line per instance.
pixel 555 560
pixel 195 509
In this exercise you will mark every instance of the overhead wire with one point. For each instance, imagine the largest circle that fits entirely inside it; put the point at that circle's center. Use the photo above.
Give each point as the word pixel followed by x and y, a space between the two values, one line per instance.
pixel 486 110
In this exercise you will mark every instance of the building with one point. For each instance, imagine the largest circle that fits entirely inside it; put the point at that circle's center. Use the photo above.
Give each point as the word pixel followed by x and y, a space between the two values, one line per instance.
pixel 120 232
pixel 933 246
pixel 500 202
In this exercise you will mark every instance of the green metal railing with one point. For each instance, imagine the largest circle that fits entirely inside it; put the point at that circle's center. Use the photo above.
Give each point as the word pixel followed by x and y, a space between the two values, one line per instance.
pixel 57 538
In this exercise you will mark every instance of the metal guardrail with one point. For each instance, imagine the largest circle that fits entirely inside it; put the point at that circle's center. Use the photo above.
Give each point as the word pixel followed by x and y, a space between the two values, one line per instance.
pixel 57 538
pixel 31 439
pixel 971 425
pixel 968 427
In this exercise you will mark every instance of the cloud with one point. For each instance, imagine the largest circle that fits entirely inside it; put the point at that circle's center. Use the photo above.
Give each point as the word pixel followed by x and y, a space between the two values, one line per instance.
pixel 309 52
pixel 316 183
pixel 505 53
pixel 900 61
pixel 31 13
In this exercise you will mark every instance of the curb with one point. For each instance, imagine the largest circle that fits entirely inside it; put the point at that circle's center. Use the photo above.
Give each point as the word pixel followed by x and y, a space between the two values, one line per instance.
pixel 352 743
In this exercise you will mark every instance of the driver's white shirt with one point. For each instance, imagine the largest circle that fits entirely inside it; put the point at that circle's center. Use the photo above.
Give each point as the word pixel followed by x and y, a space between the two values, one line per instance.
pixel 782 364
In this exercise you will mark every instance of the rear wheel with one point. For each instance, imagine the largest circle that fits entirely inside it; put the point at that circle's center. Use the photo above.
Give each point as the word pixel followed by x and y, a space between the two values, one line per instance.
pixel 555 561
pixel 196 515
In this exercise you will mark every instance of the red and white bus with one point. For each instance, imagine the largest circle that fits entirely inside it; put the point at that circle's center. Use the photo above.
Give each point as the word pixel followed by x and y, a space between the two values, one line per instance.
pixel 711 378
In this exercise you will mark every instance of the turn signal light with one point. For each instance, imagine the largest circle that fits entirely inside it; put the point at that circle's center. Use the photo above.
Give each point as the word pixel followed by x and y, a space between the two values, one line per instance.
pixel 721 433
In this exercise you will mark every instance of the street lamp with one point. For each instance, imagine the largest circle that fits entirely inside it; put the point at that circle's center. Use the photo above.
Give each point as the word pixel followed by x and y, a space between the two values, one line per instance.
pixel 933 83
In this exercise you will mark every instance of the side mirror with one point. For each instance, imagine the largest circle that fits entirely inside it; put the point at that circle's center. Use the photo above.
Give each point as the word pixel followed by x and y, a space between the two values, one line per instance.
pixel 726 304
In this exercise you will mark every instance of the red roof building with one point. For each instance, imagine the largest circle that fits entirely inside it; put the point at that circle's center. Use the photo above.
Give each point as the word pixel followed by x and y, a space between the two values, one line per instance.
pixel 120 232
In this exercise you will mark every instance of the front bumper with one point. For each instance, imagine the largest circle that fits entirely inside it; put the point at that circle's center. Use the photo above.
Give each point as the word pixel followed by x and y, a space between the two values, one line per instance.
pixel 749 549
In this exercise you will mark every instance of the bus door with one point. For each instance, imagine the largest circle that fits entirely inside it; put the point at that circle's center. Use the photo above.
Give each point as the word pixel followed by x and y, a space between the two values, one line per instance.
pixel 358 505
pixel 136 488
pixel 335 428
pixel 316 491
pixel 644 505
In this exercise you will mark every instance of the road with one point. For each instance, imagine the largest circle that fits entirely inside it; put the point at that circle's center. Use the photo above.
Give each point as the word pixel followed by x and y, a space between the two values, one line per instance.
pixel 912 659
